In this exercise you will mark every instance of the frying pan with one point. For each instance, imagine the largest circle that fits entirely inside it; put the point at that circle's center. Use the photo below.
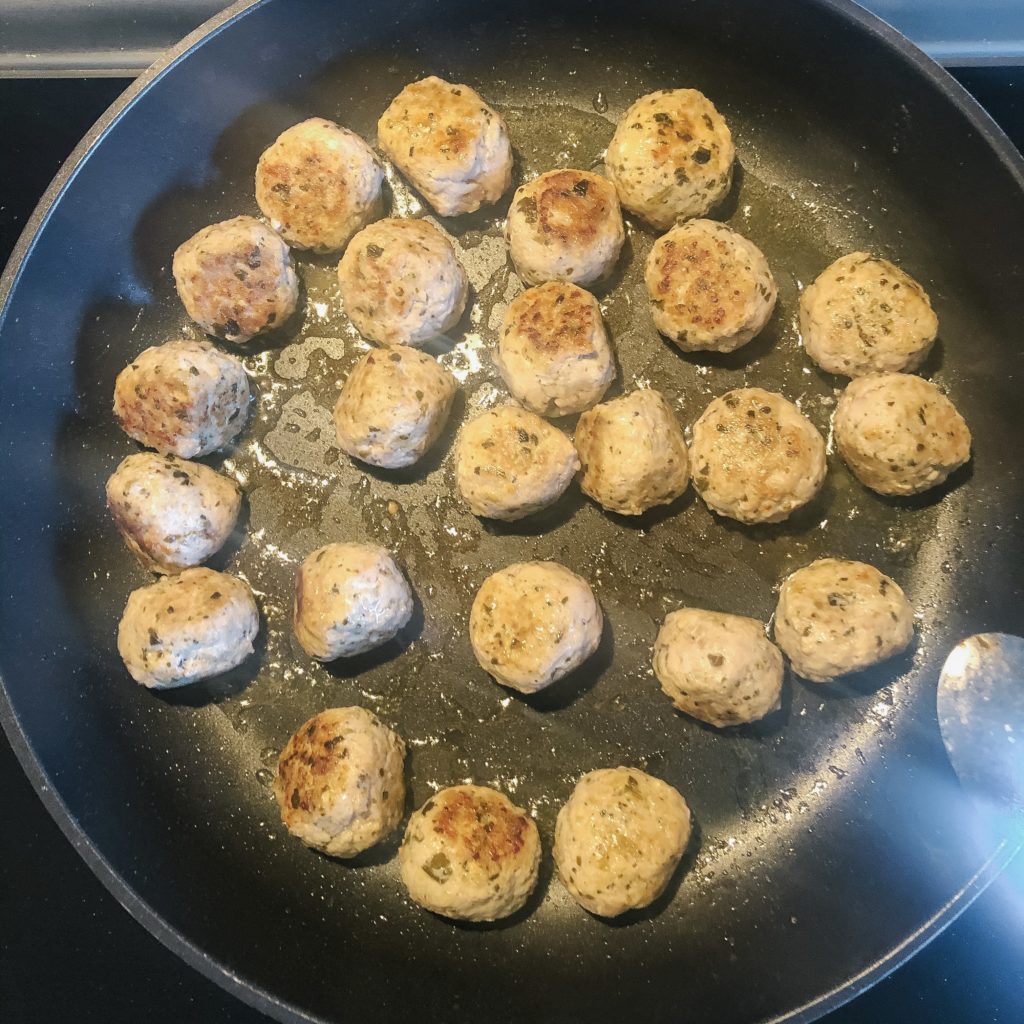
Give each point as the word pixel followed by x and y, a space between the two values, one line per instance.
pixel 833 839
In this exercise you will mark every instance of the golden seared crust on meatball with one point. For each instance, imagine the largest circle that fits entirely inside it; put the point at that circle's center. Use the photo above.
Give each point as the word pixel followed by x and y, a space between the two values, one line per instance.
pixel 565 225
pixel 719 668
pixel 184 398
pixel 449 143
pixel 171 513
pixel 756 458
pixel 837 616
pixel 553 351
pixel 533 623
pixel 619 839
pixel 349 598
pixel 340 783
pixel 710 288
pixel 470 854
pixel 236 279
pixel 633 453
pixel 318 184
pixel 188 627
pixel 402 282
pixel 511 463
pixel 671 157
pixel 899 434
pixel 393 407
pixel 864 315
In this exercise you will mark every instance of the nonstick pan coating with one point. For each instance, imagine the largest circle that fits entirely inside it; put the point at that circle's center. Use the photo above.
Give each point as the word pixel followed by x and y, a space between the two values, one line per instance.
pixel 832 839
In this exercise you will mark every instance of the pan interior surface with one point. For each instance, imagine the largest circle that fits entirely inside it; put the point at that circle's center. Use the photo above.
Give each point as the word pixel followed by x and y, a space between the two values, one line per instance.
pixel 827 834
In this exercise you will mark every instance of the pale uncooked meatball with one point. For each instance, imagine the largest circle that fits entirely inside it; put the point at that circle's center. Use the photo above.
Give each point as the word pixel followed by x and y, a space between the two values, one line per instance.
pixel 318 184
pixel 236 279
pixel 470 854
pixel 449 143
pixel 719 668
pixel 710 288
pixel 349 598
pixel 184 398
pixel 172 514
pixel 188 627
pixel 402 282
pixel 619 838
pixel 511 463
pixel 340 783
pixel 865 315
pixel 533 623
pixel 633 453
pixel 899 434
pixel 393 407
pixel 671 157
pixel 756 458
pixel 553 350
pixel 565 225
pixel 836 616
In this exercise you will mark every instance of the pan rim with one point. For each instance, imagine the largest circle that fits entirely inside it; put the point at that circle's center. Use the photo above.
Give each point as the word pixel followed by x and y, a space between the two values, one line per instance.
pixel 177 942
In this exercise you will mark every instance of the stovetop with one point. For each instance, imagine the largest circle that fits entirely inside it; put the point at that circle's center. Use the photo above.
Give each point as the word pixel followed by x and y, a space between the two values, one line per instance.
pixel 68 951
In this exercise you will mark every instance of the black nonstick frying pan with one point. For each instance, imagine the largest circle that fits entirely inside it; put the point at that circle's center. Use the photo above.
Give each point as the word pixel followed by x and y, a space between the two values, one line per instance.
pixel 833 839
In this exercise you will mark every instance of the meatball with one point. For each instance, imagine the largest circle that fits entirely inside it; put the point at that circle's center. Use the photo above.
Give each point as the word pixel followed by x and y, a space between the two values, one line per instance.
pixel 318 184
pixel 671 157
pixel 184 398
pixel 633 453
pixel 533 623
pixel 511 463
pixel 865 315
pixel 836 616
pixel 349 598
pixel 172 514
pixel 393 407
pixel 340 783
pixel 188 627
pixel 756 457
pixel 236 279
pixel 619 838
pixel 553 350
pixel 719 668
pixel 402 282
pixel 899 434
pixel 449 143
pixel 470 854
pixel 565 226
pixel 710 288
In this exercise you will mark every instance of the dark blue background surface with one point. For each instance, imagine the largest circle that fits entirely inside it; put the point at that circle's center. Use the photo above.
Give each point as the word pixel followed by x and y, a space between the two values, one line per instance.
pixel 69 952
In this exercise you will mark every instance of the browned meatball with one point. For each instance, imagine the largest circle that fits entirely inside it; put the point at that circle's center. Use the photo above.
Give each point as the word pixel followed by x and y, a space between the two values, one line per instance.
pixel 184 398
pixel 449 143
pixel 318 184
pixel 402 282
pixel 565 225
pixel 553 352
pixel 236 279
pixel 756 457
pixel 340 784
pixel 469 853
pixel 173 514
pixel 671 157
pixel 710 287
